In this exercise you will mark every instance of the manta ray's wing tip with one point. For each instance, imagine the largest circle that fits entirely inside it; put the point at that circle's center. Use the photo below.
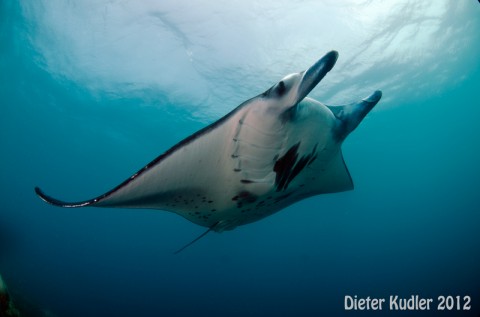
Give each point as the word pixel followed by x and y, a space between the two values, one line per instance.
pixel 40 194
pixel 47 198
pixel 59 203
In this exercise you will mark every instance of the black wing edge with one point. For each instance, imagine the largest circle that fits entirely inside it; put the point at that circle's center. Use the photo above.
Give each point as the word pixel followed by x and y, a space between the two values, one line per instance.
pixel 60 203
pixel 153 163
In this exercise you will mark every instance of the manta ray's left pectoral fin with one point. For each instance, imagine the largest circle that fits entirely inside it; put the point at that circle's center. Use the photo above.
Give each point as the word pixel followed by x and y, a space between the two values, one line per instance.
pixel 60 203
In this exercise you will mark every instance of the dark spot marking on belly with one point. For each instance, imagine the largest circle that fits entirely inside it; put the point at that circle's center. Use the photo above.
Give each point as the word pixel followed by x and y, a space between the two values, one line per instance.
pixel 244 197
pixel 289 166
pixel 312 159
pixel 284 165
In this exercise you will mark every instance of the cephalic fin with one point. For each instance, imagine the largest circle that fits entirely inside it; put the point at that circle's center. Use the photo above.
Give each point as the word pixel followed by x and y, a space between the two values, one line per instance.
pixel 349 116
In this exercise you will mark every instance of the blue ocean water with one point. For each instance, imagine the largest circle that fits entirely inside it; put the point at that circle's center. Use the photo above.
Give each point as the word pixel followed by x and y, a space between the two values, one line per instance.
pixel 85 104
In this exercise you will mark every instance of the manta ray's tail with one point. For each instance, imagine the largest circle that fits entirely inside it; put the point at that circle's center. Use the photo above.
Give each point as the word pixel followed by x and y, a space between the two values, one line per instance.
pixel 196 239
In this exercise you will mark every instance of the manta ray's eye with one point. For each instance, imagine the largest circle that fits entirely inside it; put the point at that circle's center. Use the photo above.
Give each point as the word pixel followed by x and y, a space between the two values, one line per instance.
pixel 280 88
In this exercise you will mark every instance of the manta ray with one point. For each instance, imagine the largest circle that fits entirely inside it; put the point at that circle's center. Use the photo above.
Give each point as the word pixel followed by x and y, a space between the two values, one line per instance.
pixel 269 152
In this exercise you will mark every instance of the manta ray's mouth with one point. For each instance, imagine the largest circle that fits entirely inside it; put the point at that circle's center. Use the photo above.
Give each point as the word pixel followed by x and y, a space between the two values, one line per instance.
pixel 313 75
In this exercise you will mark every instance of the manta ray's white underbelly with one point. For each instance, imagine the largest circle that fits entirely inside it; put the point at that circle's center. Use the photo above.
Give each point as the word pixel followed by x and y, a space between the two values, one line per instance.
pixel 263 169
